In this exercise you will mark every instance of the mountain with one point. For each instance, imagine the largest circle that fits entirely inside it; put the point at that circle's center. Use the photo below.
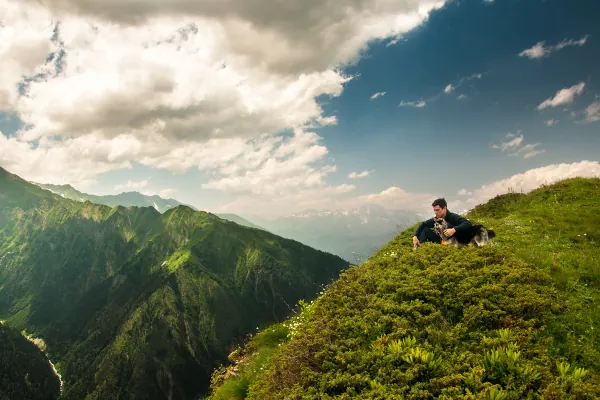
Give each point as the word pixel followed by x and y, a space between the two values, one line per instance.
pixel 352 234
pixel 518 319
pixel 25 372
pixel 134 303
pixel 127 199
pixel 133 199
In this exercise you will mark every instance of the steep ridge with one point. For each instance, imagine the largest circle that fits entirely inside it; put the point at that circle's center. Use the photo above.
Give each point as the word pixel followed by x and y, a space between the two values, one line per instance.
pixel 126 199
pixel 133 302
pixel 25 372
pixel 516 319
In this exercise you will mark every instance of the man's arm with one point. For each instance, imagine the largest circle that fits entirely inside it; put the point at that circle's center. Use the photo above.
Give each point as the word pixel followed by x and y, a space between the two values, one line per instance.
pixel 425 224
pixel 460 223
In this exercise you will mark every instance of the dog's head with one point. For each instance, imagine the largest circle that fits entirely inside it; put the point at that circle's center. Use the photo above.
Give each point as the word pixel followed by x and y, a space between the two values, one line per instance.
pixel 439 225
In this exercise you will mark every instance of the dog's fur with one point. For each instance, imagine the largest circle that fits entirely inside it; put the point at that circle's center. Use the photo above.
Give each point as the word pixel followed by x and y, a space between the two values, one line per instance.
pixel 477 235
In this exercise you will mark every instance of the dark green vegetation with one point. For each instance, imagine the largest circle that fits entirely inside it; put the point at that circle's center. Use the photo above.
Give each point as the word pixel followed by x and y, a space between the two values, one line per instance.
pixel 132 303
pixel 515 320
pixel 133 199
pixel 25 372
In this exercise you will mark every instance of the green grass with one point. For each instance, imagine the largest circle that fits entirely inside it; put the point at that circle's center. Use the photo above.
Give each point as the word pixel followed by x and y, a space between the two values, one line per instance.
pixel 517 319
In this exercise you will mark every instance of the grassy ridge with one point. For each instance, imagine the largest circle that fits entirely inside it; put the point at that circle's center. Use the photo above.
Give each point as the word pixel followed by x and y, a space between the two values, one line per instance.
pixel 517 319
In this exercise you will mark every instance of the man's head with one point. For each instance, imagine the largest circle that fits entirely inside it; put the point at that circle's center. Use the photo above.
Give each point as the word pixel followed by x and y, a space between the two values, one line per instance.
pixel 440 207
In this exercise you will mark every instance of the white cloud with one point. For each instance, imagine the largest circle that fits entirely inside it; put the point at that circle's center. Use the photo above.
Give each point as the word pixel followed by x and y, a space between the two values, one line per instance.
pixel 512 144
pixel 275 206
pixel 132 185
pixel 416 104
pixel 398 198
pixel 167 193
pixel 592 113
pixel 537 51
pixel 540 50
pixel 516 146
pixel 452 87
pixel 181 84
pixel 530 150
pixel 551 122
pixel 534 178
pixel 358 175
pixel 275 167
pixel 378 94
pixel 461 96
pixel 563 96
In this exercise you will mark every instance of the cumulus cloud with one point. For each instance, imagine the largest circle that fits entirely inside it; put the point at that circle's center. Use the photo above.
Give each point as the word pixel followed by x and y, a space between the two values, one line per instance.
pixel 416 104
pixel 132 185
pixel 534 178
pixel 358 175
pixel 592 112
pixel 378 94
pixel 540 50
pixel 394 197
pixel 275 167
pixel 563 96
pixel 183 84
pixel 449 88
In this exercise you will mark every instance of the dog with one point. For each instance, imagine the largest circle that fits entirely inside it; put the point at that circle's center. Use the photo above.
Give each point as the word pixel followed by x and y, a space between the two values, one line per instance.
pixel 477 235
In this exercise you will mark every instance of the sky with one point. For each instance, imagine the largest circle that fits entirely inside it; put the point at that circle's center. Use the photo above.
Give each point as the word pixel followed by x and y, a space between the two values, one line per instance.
pixel 270 108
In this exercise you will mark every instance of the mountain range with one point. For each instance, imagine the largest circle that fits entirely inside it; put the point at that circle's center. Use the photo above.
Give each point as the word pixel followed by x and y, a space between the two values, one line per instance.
pixel 352 234
pixel 135 303
pixel 126 199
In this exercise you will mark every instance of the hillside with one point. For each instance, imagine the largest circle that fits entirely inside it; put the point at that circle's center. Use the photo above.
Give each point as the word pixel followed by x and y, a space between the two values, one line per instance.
pixel 25 372
pixel 517 319
pixel 132 301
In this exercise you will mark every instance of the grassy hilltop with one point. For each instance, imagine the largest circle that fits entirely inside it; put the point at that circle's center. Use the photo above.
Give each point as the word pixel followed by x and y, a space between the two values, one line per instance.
pixel 517 319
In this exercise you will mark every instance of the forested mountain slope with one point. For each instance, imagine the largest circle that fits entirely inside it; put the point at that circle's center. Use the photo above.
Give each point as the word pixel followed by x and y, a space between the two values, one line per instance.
pixel 133 302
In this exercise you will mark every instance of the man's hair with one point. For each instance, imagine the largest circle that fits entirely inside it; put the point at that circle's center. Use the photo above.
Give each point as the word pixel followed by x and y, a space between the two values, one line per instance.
pixel 440 202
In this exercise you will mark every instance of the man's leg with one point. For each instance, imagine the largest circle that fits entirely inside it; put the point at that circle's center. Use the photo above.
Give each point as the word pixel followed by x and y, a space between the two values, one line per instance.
pixel 427 235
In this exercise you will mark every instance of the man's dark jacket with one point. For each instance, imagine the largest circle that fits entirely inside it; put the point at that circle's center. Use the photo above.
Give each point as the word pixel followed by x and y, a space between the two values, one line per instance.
pixel 461 224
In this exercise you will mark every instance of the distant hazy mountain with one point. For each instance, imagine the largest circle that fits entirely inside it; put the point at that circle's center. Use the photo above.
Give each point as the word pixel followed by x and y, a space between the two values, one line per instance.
pixel 127 199
pixel 351 234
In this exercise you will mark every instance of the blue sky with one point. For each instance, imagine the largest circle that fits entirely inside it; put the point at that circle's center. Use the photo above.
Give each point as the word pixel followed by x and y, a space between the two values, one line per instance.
pixel 480 118
pixel 448 142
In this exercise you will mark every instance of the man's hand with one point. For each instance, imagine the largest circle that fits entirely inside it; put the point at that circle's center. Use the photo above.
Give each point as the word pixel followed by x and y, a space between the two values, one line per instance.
pixel 415 241
pixel 449 232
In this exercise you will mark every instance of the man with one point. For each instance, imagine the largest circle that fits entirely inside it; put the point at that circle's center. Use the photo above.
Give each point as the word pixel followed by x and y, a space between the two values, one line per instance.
pixel 424 232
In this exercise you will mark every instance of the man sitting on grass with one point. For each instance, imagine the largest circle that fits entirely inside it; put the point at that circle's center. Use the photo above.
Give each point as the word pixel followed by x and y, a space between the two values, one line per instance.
pixel 425 233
